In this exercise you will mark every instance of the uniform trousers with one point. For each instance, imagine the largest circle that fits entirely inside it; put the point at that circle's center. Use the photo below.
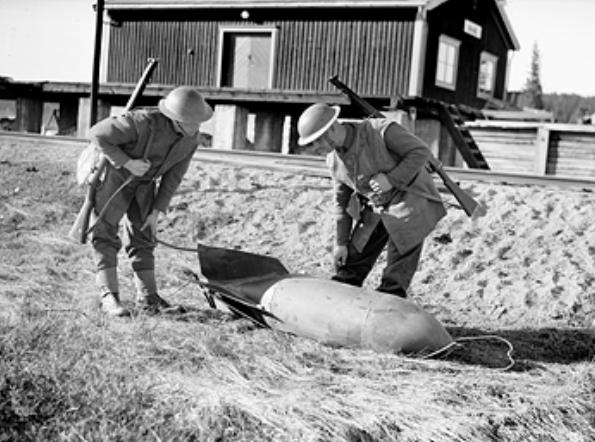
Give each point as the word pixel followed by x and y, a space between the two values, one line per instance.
pixel 399 270
pixel 138 246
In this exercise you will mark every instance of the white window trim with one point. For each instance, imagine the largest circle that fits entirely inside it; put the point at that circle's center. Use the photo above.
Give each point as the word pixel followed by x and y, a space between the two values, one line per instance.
pixel 247 30
pixel 452 42
pixel 489 57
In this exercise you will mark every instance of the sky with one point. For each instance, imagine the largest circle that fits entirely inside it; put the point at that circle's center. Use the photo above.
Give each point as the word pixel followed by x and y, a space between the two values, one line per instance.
pixel 564 31
pixel 53 40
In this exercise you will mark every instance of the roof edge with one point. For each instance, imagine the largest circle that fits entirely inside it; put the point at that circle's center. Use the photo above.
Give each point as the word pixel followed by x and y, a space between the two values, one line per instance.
pixel 504 15
pixel 432 4
pixel 218 4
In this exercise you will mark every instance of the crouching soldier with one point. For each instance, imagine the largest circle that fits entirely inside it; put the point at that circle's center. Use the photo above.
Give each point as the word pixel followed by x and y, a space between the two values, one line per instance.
pixel 143 147
pixel 382 194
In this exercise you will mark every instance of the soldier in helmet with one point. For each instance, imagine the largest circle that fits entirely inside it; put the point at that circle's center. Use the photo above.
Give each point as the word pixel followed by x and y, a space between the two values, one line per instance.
pixel 143 147
pixel 383 195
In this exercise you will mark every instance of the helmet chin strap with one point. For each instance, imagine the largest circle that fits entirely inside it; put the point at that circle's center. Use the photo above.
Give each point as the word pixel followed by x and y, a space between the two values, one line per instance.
pixel 188 130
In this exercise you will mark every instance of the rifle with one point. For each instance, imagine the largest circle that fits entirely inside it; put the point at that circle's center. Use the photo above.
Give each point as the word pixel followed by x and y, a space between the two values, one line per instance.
pixel 471 207
pixel 80 228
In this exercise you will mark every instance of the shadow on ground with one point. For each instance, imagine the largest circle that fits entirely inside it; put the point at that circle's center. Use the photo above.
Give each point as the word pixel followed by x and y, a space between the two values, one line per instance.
pixel 532 347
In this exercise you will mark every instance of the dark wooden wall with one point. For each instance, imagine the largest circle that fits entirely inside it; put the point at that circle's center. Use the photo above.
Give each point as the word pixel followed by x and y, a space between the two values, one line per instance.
pixel 448 19
pixel 370 49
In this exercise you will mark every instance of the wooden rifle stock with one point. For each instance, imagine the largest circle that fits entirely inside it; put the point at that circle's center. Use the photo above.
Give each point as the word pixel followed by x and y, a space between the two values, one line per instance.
pixel 467 202
pixel 80 228
pixel 471 207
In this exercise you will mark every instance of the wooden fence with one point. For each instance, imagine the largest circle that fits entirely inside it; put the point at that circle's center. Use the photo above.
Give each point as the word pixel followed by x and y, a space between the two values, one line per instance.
pixel 537 148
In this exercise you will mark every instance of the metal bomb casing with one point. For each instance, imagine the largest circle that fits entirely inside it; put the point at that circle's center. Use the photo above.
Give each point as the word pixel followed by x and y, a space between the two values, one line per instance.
pixel 338 314
pixel 261 288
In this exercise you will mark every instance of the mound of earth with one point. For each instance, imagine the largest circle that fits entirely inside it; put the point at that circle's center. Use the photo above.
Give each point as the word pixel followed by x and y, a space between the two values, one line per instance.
pixel 527 262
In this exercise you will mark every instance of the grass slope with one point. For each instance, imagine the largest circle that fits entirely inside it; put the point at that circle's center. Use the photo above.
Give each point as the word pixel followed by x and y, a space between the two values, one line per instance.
pixel 524 272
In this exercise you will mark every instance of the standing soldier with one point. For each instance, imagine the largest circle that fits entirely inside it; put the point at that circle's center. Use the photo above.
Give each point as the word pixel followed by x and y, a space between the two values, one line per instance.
pixel 383 194
pixel 143 147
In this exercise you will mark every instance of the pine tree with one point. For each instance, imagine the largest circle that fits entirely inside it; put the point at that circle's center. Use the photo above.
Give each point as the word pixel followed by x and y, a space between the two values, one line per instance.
pixel 533 91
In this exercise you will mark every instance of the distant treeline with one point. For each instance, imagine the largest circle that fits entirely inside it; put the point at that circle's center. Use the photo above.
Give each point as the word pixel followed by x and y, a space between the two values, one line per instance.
pixel 569 108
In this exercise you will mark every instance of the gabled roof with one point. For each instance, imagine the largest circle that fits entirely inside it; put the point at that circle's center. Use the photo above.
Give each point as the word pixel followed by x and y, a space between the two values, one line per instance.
pixel 515 41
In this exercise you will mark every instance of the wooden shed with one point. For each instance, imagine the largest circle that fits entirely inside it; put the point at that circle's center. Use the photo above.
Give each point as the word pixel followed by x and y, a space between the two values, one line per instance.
pixel 452 50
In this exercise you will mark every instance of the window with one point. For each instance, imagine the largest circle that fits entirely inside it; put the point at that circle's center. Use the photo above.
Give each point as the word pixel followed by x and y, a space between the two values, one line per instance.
pixel 487 75
pixel 448 61
pixel 246 57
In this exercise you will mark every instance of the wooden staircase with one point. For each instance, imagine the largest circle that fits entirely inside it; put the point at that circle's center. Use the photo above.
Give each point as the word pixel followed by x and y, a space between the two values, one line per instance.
pixel 453 120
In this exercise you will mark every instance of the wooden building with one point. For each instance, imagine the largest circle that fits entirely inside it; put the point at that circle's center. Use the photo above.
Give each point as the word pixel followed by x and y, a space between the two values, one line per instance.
pixel 452 50
pixel 260 63
pixel 279 54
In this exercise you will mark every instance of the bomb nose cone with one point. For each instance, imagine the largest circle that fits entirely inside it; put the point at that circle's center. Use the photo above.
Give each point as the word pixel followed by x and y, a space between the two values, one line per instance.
pixel 395 324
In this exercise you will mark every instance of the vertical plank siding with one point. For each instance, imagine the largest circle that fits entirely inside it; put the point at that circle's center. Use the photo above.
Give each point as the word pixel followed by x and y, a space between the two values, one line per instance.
pixel 371 56
pixel 371 51
pixel 134 42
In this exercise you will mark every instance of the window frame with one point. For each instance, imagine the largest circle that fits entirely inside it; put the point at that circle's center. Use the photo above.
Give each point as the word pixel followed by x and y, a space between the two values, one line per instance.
pixel 486 56
pixel 450 42
pixel 247 30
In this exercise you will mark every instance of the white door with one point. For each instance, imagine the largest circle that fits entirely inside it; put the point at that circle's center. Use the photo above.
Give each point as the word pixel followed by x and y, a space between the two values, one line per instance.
pixel 247 60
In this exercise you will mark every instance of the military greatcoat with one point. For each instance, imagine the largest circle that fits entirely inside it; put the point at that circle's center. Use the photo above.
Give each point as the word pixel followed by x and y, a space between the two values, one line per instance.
pixel 409 211
pixel 138 134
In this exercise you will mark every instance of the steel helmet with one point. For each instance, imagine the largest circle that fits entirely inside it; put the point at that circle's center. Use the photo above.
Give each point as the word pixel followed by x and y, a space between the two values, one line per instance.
pixel 315 121
pixel 186 105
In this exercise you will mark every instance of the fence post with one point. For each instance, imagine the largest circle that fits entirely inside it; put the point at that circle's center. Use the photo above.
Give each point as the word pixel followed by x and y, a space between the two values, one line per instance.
pixel 542 146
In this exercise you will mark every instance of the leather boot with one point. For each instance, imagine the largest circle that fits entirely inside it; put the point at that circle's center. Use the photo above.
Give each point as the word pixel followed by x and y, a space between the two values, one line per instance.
pixel 110 305
pixel 147 297
pixel 107 282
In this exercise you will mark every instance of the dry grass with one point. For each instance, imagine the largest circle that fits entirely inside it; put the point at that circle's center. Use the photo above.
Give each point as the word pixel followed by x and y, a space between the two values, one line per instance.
pixel 68 374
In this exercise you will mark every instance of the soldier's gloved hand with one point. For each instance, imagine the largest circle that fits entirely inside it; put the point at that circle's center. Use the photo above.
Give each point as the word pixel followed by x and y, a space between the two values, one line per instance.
pixel 339 256
pixel 151 223
pixel 137 167
pixel 379 183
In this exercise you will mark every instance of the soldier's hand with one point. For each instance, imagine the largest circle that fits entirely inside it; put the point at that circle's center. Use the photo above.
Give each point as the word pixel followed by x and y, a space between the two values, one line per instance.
pixel 137 167
pixel 379 183
pixel 339 256
pixel 151 223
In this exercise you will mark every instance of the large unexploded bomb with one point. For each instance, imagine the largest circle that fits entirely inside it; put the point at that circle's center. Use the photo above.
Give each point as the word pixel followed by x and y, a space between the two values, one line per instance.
pixel 261 288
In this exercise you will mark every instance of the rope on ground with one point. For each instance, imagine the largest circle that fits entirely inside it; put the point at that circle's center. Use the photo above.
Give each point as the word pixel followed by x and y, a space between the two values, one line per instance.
pixel 457 343
pixel 173 246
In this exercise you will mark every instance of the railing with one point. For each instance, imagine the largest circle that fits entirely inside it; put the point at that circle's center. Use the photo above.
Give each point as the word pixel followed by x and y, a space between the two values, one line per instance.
pixel 537 148
pixel 306 164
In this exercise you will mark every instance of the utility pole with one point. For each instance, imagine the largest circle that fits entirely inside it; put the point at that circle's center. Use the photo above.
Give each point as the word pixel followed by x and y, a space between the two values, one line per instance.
pixel 99 7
